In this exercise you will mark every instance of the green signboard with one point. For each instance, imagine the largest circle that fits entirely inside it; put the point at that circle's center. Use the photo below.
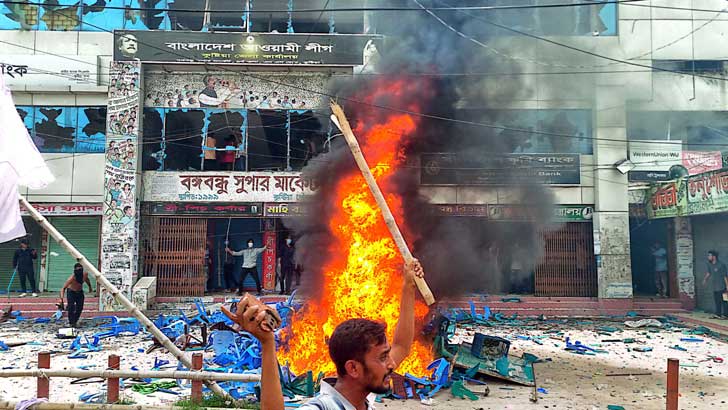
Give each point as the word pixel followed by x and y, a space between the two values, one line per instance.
pixel 707 193
pixel 666 200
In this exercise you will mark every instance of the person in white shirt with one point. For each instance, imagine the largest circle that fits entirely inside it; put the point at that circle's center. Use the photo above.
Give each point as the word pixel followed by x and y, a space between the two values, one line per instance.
pixel 364 358
pixel 250 262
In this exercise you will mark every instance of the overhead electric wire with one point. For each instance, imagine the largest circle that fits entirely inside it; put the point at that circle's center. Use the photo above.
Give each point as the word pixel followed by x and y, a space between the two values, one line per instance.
pixel 340 9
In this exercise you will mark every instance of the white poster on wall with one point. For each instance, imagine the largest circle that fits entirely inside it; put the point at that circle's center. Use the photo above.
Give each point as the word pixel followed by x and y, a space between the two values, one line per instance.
pixel 49 71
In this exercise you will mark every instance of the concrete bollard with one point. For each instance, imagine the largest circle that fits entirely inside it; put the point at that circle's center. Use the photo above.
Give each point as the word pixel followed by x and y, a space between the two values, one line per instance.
pixel 197 384
pixel 112 383
pixel 673 383
pixel 44 383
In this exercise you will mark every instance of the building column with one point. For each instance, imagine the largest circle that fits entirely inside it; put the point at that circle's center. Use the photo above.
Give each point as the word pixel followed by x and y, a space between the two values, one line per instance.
pixel 611 204
pixel 119 226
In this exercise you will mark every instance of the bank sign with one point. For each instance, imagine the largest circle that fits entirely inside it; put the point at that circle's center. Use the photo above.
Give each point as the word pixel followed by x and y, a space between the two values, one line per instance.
pixel 504 169
pixel 243 48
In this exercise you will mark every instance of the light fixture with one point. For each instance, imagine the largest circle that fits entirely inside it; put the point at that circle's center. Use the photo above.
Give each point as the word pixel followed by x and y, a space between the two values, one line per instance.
pixel 624 166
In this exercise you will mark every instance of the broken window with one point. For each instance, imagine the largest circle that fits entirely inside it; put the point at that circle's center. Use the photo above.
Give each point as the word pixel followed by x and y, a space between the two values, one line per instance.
pixel 91 132
pixel 181 19
pixel 18 16
pixel 97 17
pixel 183 138
pixel 64 15
pixel 66 129
pixel 55 128
pixel 226 19
pixel 153 147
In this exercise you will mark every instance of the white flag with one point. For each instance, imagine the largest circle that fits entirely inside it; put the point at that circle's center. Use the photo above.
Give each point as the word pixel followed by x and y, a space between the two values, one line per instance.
pixel 20 164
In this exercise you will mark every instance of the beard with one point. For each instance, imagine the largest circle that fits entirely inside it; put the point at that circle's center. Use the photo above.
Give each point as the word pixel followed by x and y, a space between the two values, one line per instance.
pixel 381 387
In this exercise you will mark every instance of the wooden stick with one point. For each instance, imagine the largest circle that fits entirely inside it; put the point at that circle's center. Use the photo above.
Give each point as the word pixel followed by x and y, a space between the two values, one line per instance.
pixel 343 124
pixel 129 374
pixel 123 300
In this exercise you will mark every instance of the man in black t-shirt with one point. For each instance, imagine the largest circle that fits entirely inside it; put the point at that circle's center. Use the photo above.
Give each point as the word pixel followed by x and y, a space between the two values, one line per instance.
pixel 23 262
pixel 717 272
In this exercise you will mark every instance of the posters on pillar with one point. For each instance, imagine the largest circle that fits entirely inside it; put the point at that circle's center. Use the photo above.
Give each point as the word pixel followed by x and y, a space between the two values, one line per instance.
pixel 269 256
pixel 119 220
pixel 684 257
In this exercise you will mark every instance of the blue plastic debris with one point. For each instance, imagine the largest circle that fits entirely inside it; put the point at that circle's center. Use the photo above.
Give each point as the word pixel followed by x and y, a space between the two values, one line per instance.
pixel 691 339
pixel 3 347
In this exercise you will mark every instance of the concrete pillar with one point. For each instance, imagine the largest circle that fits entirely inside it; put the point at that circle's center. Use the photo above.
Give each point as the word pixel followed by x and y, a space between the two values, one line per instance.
pixel 119 227
pixel 611 204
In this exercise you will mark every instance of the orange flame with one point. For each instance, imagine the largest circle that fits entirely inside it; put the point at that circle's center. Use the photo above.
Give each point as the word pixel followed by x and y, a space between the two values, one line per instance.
pixel 363 276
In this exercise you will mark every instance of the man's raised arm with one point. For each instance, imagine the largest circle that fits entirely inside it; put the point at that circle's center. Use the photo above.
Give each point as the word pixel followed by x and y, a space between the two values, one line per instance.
pixel 404 334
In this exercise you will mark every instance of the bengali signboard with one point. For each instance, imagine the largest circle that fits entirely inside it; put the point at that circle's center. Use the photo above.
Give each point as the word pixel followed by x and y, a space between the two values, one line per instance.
pixel 503 169
pixel 699 162
pixel 226 187
pixel 666 200
pixel 283 210
pixel 49 71
pixel 53 209
pixel 514 212
pixel 243 48
pixel 168 208
pixel 707 193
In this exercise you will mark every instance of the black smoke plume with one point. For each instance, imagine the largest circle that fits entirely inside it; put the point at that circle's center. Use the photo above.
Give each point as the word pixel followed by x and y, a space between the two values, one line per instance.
pixel 460 255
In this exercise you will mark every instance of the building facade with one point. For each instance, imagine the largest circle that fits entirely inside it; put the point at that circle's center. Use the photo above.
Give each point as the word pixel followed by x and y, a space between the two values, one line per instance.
pixel 189 131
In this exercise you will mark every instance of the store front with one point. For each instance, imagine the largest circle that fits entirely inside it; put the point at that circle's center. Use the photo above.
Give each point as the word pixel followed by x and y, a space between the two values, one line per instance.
pixel 189 218
pixel 7 250
pixel 532 259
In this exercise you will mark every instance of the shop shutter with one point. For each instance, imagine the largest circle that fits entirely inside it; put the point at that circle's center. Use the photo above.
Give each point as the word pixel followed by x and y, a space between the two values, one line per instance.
pixel 83 233
pixel 568 266
pixel 173 250
pixel 7 249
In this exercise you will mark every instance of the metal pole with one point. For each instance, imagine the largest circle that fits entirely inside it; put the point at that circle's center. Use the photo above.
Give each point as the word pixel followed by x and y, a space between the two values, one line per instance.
pixel 118 296
pixel 112 383
pixel 673 390
pixel 129 374
pixel 44 384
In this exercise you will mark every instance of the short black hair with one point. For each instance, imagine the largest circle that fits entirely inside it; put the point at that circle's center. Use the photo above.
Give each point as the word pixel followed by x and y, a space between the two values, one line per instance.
pixel 25 241
pixel 714 253
pixel 250 240
pixel 352 339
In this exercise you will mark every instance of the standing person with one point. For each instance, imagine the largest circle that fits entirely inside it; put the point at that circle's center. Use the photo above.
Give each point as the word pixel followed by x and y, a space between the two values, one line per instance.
pixel 23 263
pixel 359 348
pixel 660 255
pixel 227 158
pixel 718 274
pixel 286 265
pixel 73 289
pixel 250 262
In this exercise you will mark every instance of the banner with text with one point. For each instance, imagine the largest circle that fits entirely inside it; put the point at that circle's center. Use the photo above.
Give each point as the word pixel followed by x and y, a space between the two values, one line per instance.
pixel 226 187
pixel 243 48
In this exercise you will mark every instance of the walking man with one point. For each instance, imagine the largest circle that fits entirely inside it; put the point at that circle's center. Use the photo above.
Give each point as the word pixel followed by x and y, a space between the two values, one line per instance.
pixel 718 274
pixel 660 255
pixel 73 289
pixel 250 262
pixel 23 263
pixel 359 348
pixel 286 265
